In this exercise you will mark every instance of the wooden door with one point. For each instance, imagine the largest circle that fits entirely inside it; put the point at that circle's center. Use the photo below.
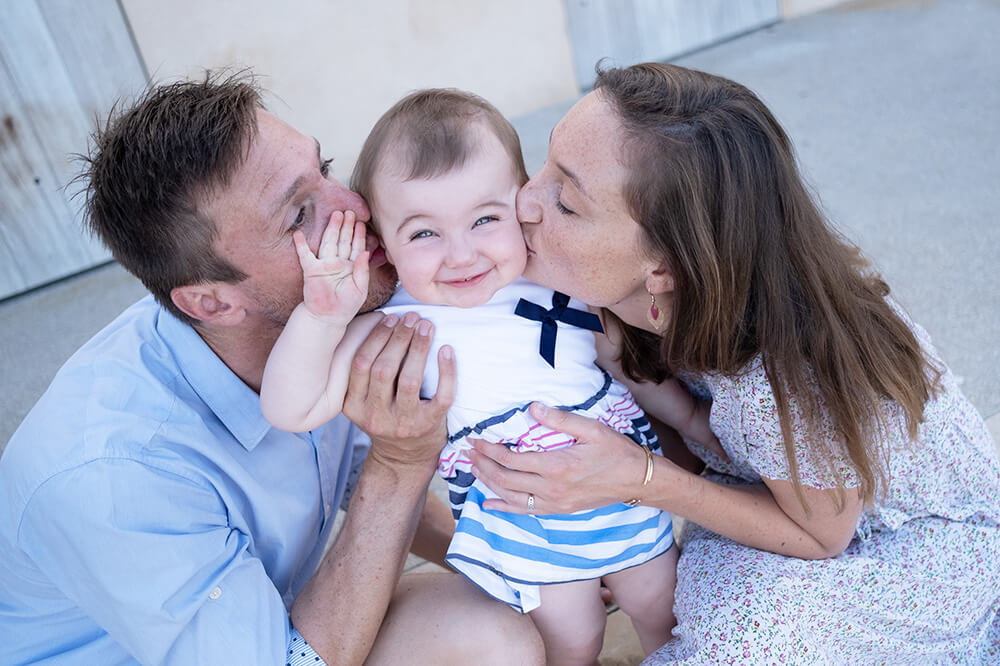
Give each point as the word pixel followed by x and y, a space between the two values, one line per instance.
pixel 62 64
pixel 631 31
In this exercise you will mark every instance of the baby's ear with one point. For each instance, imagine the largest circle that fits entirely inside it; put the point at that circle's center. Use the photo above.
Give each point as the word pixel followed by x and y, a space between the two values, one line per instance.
pixel 212 302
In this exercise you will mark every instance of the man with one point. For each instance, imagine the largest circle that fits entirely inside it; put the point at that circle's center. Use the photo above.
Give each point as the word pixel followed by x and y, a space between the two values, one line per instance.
pixel 151 514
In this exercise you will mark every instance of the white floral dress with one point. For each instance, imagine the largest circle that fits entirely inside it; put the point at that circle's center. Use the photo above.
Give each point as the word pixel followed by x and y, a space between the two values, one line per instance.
pixel 918 584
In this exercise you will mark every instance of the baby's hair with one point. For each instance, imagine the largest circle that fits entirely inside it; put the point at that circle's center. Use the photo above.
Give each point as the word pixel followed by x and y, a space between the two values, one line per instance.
pixel 432 132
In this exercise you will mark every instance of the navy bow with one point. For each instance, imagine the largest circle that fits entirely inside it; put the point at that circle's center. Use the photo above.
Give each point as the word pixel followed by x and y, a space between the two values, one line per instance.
pixel 558 312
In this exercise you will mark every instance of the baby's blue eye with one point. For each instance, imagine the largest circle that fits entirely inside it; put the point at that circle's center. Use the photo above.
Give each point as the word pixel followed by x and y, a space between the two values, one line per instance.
pixel 485 219
pixel 421 234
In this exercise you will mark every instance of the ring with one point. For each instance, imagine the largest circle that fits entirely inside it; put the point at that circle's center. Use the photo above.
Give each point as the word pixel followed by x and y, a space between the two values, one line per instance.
pixel 531 503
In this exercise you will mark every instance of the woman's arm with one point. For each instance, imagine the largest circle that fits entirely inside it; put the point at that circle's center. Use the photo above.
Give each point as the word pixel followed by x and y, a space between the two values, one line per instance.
pixel 605 467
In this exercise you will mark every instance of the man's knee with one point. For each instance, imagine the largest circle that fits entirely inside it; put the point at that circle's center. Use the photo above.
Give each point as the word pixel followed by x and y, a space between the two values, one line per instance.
pixel 442 618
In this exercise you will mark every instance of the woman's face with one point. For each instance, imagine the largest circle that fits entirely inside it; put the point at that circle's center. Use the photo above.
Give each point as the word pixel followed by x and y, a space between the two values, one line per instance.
pixel 581 238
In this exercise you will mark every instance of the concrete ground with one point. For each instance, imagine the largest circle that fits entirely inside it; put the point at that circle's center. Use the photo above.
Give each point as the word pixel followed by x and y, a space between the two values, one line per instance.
pixel 894 107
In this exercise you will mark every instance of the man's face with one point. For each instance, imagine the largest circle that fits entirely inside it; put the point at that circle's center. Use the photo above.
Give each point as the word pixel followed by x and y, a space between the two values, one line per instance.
pixel 282 186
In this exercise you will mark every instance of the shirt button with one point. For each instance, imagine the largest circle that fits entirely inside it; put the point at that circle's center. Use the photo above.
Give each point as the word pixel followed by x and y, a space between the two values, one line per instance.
pixel 328 507
pixel 215 594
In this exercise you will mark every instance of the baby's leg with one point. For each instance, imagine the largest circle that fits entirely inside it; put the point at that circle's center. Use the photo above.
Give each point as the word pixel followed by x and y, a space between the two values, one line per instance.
pixel 646 594
pixel 571 621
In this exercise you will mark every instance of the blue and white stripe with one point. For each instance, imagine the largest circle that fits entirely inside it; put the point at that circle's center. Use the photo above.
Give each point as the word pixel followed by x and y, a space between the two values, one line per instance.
pixel 510 555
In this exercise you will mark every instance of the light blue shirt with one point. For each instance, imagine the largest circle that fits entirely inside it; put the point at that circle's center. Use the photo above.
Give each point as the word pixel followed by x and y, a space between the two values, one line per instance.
pixel 151 514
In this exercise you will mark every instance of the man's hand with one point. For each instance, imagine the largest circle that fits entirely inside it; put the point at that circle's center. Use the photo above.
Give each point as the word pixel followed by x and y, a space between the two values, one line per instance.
pixel 383 394
pixel 335 279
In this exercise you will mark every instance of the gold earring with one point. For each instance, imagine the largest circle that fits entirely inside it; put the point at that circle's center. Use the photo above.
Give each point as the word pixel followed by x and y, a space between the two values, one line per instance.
pixel 654 316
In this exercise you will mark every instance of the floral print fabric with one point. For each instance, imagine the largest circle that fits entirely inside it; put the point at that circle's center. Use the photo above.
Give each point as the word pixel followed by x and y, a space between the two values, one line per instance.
pixel 919 583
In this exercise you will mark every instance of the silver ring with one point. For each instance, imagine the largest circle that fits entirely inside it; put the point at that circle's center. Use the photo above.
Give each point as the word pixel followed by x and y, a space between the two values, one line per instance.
pixel 531 503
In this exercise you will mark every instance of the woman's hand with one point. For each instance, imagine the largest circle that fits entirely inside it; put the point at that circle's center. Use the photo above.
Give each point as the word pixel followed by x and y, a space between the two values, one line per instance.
pixel 602 468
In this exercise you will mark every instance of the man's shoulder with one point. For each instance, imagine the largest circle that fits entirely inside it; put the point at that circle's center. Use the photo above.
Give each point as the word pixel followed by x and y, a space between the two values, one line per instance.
pixel 108 401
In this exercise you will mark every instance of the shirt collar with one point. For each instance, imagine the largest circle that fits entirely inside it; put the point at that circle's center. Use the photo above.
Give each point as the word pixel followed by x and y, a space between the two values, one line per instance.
pixel 232 401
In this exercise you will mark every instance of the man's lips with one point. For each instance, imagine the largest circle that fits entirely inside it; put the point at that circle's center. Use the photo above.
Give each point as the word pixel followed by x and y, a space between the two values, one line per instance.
pixel 377 257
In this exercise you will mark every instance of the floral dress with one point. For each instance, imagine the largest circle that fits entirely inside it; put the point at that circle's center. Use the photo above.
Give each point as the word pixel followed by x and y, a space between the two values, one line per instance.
pixel 918 584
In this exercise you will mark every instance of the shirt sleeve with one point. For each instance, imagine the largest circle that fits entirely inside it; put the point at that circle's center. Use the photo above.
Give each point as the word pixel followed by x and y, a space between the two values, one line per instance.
pixel 300 653
pixel 149 556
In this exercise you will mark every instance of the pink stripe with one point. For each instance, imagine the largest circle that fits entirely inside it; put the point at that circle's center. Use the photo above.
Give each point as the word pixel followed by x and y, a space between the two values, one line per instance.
pixel 564 443
pixel 520 440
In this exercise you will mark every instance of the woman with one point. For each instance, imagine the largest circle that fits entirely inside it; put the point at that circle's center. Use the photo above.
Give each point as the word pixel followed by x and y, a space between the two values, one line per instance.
pixel 849 510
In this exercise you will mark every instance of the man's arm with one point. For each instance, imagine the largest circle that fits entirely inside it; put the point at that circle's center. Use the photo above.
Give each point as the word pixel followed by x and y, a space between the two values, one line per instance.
pixel 434 533
pixel 341 608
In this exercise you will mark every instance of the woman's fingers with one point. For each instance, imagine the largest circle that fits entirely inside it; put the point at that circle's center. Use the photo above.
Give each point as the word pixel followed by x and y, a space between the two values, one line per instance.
pixel 508 475
pixel 566 480
pixel 580 427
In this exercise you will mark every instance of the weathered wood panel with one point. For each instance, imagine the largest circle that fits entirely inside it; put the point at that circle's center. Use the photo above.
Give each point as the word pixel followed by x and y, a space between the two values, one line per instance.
pixel 631 31
pixel 61 65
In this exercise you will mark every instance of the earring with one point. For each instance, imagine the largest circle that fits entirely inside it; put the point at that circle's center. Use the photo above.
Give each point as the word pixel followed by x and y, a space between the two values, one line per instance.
pixel 654 316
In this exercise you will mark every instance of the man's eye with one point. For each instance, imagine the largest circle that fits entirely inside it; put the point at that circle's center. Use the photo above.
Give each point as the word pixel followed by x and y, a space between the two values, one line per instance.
pixel 324 167
pixel 484 219
pixel 299 219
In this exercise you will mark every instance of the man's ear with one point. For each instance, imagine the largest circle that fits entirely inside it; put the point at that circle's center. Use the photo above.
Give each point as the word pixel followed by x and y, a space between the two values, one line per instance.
pixel 660 280
pixel 212 302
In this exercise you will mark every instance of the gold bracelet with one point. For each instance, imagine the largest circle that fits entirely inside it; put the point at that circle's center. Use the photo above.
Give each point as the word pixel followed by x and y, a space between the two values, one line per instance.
pixel 646 479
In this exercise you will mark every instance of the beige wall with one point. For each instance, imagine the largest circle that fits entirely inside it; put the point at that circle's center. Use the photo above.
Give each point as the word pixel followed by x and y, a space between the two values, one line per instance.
pixel 792 8
pixel 336 65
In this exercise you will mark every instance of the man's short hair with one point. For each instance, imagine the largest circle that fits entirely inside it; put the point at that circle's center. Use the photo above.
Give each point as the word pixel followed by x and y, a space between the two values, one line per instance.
pixel 151 168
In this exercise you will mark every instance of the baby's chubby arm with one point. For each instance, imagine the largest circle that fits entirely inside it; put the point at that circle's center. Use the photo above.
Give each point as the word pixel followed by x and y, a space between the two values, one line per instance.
pixel 667 401
pixel 305 378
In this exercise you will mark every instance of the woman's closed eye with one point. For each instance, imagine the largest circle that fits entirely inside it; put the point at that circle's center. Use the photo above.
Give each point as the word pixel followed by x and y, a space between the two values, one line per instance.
pixel 560 206
pixel 562 209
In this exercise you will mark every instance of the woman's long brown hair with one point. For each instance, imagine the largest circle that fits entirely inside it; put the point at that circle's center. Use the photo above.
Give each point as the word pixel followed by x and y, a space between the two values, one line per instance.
pixel 758 271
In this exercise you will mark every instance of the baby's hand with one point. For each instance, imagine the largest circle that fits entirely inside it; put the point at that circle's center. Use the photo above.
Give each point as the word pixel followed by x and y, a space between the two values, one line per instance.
pixel 335 281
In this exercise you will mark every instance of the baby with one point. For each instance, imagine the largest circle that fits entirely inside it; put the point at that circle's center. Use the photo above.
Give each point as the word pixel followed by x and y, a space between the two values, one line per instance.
pixel 441 170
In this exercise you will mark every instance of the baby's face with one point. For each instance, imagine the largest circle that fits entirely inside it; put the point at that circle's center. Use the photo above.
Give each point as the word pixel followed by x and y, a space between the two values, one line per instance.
pixel 455 238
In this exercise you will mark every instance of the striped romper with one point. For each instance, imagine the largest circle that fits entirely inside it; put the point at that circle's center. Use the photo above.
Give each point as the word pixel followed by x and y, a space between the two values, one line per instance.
pixel 502 369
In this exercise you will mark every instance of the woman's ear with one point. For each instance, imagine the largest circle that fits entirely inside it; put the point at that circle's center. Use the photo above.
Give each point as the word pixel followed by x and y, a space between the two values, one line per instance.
pixel 212 302
pixel 660 280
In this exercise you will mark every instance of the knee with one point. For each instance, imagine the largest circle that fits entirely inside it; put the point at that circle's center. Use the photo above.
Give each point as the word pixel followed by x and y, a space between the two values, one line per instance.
pixel 474 627
pixel 581 651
